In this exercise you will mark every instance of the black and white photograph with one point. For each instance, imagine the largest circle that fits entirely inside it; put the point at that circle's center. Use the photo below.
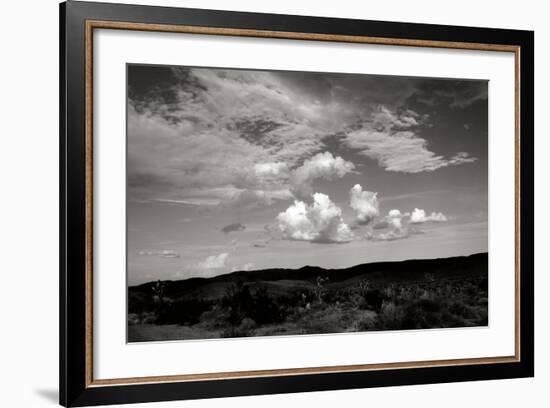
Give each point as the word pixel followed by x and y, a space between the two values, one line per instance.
pixel 277 203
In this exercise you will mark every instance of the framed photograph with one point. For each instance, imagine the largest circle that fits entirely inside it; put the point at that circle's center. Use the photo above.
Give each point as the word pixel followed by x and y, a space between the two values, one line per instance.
pixel 256 204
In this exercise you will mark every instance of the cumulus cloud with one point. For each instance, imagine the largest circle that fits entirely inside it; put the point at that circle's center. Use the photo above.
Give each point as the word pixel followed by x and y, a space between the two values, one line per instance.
pixel 392 140
pixel 380 224
pixel 419 216
pixel 235 227
pixel 394 227
pixel 365 204
pixel 319 222
pixel 393 222
pixel 246 267
pixel 214 261
pixel 394 219
pixel 322 165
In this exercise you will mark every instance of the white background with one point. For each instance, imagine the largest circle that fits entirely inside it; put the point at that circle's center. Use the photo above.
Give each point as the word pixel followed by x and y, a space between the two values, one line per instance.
pixel 29 192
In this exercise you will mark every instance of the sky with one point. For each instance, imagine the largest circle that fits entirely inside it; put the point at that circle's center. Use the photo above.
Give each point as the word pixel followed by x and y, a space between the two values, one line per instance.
pixel 231 169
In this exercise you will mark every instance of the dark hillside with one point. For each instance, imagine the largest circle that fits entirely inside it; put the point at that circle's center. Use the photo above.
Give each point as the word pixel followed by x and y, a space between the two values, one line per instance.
pixel 413 294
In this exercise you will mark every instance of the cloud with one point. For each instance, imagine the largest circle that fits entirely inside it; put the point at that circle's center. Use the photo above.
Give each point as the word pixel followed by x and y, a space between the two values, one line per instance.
pixel 322 165
pixel 228 195
pixel 163 253
pixel 319 222
pixel 214 261
pixel 210 137
pixel 212 128
pixel 395 228
pixel 365 204
pixel 270 169
pixel 455 94
pixel 255 198
pixel 191 201
pixel 381 224
pixel 461 157
pixel 233 228
pixel 391 235
pixel 246 267
pixel 262 243
pixel 393 221
pixel 419 216
pixel 391 139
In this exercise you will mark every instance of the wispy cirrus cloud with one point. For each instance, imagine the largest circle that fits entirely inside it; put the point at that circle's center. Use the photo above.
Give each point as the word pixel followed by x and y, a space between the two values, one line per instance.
pixel 391 139
pixel 163 253
pixel 210 137
pixel 245 131
pixel 455 94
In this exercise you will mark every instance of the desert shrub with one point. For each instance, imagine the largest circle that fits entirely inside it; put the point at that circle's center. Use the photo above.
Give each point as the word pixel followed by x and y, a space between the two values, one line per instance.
pixel 429 305
pixel 374 299
pixel 359 301
pixel 390 316
pixel 248 324
pixel 182 311
pixel 459 309
pixel 482 316
pixel 483 301
pixel 238 302
pixel 241 303
pixel 471 290
pixel 451 320
pixel 215 318
pixel 149 318
pixel 266 310
pixel 245 329
pixel 133 318
pixel 139 302
pixel 422 314
pixel 321 318
pixel 483 284
pixel 157 290
pixel 319 289
pixel 364 322
pixel 330 296
pixel 390 291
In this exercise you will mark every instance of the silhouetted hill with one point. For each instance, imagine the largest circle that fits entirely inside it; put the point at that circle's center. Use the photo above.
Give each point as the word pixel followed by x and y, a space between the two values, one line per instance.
pixel 279 279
